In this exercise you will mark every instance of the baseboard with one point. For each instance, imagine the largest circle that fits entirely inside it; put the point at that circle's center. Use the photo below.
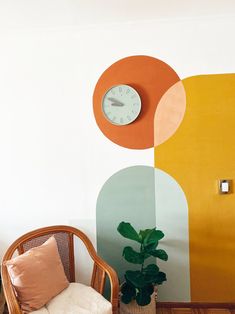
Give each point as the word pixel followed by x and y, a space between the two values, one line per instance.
pixel 195 308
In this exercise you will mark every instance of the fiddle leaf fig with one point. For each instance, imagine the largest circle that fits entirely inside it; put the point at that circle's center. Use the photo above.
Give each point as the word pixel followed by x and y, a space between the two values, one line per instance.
pixel 136 278
pixel 151 273
pixel 145 233
pixel 127 231
pixel 132 256
pixel 160 254
pixel 143 297
pixel 128 292
pixel 151 269
pixel 140 284
pixel 151 246
pixel 160 278
pixel 153 237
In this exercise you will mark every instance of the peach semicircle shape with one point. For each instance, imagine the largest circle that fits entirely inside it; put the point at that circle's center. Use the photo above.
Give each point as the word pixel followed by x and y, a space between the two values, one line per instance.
pixel 169 113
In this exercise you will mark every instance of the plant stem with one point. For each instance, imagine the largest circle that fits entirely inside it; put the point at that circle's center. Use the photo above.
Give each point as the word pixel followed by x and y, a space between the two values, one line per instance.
pixel 141 250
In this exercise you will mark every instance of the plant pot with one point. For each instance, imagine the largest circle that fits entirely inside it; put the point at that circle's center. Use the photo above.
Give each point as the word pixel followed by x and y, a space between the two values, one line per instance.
pixel 2 302
pixel 134 308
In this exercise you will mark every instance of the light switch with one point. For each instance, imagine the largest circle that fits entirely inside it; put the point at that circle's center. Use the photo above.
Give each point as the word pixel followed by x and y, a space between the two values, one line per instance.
pixel 225 186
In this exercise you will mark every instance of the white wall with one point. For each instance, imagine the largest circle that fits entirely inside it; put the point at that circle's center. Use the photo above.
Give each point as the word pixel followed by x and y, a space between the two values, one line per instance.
pixel 53 158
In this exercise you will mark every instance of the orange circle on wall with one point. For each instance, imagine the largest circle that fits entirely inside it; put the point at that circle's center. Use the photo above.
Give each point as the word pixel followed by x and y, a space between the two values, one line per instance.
pixel 151 78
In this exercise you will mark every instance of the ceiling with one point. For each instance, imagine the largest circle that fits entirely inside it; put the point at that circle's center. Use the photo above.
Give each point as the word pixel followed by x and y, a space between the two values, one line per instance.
pixel 80 13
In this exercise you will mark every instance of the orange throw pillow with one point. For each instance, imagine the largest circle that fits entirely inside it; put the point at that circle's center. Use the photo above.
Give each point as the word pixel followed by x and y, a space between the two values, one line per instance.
pixel 37 275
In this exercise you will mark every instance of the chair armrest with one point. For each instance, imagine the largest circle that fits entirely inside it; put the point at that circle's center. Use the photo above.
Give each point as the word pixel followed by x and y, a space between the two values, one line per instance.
pixel 100 270
pixel 9 293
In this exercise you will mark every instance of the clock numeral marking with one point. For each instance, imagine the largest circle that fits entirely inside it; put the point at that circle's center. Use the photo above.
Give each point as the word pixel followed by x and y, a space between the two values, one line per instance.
pixel 120 89
pixel 133 96
pixel 128 91
pixel 113 92
pixel 114 118
pixel 129 118
pixel 109 113
pixel 121 120
pixel 135 104
pixel 133 111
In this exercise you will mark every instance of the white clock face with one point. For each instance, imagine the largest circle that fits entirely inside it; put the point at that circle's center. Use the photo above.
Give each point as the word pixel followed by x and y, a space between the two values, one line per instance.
pixel 121 104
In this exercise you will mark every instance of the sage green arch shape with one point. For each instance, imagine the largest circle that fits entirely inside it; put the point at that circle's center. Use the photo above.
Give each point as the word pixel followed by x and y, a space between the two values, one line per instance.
pixel 128 195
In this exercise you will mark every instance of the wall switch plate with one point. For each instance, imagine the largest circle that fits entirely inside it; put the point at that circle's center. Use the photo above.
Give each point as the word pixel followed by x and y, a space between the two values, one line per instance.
pixel 225 186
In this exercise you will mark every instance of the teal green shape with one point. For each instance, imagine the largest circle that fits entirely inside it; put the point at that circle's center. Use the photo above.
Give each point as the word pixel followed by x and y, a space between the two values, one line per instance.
pixel 172 219
pixel 129 195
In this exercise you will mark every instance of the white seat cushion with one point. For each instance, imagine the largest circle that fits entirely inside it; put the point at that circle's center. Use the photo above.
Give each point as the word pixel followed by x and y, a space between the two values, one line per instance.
pixel 77 299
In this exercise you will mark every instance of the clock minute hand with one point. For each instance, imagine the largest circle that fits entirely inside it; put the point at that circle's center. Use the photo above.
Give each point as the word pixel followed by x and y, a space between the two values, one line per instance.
pixel 116 102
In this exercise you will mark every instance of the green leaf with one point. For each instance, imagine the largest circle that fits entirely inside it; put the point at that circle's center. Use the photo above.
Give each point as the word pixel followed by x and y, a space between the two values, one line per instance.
pixel 144 233
pixel 127 231
pixel 136 278
pixel 132 256
pixel 150 289
pixel 159 234
pixel 143 297
pixel 128 281
pixel 160 278
pixel 151 273
pixel 160 254
pixel 151 269
pixel 151 246
pixel 153 237
pixel 128 293
pixel 126 298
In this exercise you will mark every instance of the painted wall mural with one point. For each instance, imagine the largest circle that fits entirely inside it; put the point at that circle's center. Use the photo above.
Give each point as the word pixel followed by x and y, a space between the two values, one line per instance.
pixel 189 124
pixel 151 78
pixel 201 152
pixel 128 195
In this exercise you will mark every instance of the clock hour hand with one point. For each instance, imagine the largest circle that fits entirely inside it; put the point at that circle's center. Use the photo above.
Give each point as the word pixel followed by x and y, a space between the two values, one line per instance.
pixel 116 102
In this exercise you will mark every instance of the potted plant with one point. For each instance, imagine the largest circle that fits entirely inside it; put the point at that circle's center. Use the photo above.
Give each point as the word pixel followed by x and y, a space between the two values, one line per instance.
pixel 137 292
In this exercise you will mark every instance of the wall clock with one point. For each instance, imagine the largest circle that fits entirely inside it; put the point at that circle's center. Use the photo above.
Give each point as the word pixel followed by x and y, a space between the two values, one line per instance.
pixel 121 104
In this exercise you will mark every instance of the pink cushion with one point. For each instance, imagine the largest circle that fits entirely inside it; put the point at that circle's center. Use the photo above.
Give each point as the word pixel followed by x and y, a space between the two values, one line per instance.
pixel 37 275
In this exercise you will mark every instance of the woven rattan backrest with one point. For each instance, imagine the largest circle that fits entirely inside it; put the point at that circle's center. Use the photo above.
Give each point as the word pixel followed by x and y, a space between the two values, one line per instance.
pixel 65 247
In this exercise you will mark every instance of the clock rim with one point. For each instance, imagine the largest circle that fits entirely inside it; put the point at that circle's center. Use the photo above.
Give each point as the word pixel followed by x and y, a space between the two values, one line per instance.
pixel 102 101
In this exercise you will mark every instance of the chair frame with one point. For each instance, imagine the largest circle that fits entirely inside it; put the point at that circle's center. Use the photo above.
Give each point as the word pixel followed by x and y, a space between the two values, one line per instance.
pixel 100 269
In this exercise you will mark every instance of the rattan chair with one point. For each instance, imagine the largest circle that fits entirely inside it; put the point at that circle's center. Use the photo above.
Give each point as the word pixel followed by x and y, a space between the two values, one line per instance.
pixel 64 236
